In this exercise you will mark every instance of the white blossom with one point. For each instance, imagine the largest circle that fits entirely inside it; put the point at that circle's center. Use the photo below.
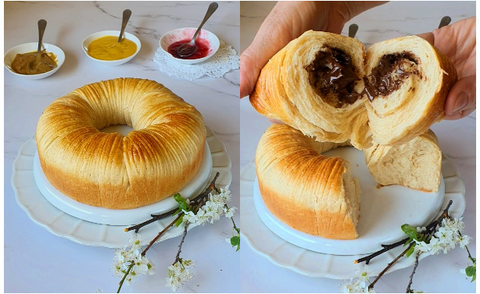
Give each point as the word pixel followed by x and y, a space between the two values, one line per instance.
pixel 359 283
pixel 229 211
pixel 132 253
pixel 213 209
pixel 447 236
pixel 179 274
pixel 464 240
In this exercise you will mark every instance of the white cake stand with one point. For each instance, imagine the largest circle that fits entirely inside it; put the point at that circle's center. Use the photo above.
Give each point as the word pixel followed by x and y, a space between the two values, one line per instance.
pixel 60 223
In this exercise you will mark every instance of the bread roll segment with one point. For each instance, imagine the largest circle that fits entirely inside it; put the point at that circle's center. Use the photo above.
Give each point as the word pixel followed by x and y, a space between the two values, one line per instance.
pixel 285 91
pixel 159 157
pixel 301 86
pixel 416 164
pixel 409 111
pixel 310 192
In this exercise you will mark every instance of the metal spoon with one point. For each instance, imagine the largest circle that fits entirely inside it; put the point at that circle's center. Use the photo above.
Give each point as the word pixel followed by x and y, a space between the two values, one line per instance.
pixel 444 22
pixel 188 49
pixel 352 30
pixel 126 16
pixel 42 25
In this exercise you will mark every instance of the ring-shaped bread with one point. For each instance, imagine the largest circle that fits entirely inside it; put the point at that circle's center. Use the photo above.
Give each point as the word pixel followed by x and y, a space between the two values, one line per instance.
pixel 304 189
pixel 160 156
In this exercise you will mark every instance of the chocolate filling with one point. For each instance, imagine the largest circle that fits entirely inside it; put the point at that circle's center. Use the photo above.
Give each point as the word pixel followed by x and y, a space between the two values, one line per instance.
pixel 333 77
pixel 389 74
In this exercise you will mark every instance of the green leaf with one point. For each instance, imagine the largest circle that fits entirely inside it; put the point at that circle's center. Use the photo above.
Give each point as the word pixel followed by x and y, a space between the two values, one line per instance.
pixel 410 231
pixel 410 251
pixel 182 204
pixel 235 241
pixel 179 221
pixel 471 271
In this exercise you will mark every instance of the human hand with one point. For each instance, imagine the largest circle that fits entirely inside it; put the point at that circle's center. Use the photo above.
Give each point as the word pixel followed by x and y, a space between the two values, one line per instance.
pixel 287 21
pixel 458 42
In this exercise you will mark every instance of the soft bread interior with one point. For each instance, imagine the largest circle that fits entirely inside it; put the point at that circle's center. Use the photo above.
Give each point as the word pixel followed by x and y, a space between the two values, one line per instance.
pixel 410 108
pixel 415 164
pixel 352 195
pixel 284 91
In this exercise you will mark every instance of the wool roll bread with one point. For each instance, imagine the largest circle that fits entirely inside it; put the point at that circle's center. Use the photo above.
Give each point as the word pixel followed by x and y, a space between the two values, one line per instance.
pixel 155 160
pixel 416 164
pixel 326 86
pixel 314 84
pixel 307 191
pixel 407 82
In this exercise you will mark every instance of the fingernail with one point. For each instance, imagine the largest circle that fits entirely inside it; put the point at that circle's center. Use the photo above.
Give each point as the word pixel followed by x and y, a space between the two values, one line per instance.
pixel 461 102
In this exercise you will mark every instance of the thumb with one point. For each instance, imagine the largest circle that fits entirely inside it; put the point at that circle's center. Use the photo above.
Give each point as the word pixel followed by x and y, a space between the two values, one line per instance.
pixel 250 66
pixel 461 99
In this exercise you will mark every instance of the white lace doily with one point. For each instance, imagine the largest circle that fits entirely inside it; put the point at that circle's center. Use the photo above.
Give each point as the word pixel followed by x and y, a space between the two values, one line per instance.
pixel 225 60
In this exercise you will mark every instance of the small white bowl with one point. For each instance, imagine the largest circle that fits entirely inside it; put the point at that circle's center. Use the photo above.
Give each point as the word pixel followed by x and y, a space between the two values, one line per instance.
pixel 95 36
pixel 31 47
pixel 187 34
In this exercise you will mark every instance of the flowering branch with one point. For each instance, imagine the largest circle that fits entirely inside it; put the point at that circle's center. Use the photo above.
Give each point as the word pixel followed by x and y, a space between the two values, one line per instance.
pixel 430 227
pixel 442 234
pixel 197 201
pixel 207 207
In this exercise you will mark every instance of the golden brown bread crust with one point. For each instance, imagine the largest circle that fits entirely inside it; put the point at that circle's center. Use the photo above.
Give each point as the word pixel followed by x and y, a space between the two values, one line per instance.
pixel 158 158
pixel 319 198
pixel 283 92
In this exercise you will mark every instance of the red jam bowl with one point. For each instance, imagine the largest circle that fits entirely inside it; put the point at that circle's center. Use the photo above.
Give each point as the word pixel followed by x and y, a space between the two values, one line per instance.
pixel 207 43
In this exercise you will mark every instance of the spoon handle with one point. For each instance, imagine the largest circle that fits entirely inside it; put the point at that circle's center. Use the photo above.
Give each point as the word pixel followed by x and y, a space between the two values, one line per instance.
pixel 444 22
pixel 352 30
pixel 42 24
pixel 211 9
pixel 126 16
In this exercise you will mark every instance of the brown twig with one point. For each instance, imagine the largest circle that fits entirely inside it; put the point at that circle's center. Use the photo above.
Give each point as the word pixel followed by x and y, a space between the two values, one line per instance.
pixel 389 266
pixel 154 218
pixel 161 233
pixel 409 290
pixel 381 251
pixel 185 230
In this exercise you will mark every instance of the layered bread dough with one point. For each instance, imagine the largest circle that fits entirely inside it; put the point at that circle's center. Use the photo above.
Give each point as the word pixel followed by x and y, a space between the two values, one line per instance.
pixel 408 83
pixel 159 157
pixel 328 87
pixel 312 85
pixel 307 191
